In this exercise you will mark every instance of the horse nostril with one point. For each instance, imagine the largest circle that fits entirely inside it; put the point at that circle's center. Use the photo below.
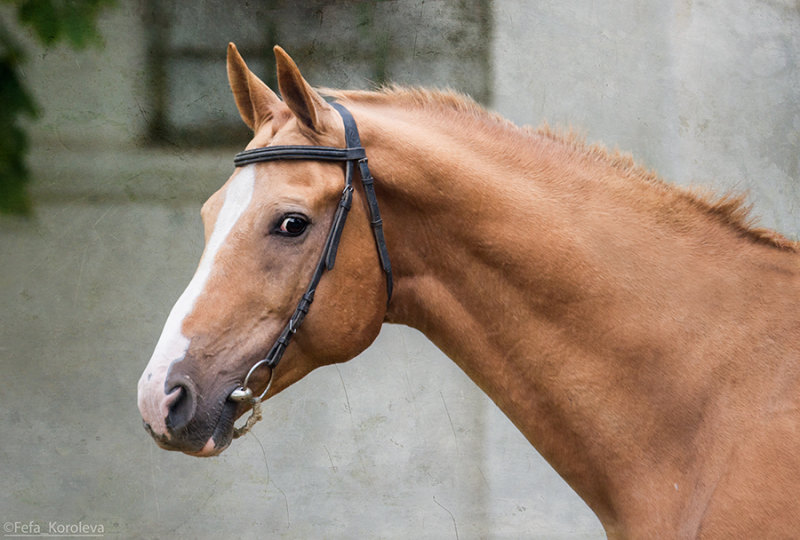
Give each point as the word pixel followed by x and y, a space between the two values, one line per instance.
pixel 181 409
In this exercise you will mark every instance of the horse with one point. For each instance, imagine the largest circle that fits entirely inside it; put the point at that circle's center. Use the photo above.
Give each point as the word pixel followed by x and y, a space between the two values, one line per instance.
pixel 643 337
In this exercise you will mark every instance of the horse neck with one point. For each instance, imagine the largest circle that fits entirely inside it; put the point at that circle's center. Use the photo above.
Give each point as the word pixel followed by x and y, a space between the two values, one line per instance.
pixel 569 293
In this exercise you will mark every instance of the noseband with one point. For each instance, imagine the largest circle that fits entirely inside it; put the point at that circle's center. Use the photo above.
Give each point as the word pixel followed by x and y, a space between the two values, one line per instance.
pixel 353 155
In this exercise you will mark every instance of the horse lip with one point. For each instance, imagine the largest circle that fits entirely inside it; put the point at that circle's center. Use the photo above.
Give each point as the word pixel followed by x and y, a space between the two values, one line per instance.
pixel 223 431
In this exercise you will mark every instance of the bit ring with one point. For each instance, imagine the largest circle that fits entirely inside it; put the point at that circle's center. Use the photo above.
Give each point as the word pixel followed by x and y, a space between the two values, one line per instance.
pixel 245 393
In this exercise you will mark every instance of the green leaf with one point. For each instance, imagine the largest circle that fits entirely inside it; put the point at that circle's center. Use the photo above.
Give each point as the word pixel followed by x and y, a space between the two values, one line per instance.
pixel 42 16
pixel 13 172
pixel 15 98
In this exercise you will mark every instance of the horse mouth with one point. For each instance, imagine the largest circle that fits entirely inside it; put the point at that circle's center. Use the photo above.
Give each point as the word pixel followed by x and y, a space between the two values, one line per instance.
pixel 222 434
pixel 220 437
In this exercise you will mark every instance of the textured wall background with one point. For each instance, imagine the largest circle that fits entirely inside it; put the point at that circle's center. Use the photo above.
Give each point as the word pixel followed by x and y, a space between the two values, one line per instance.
pixel 703 92
pixel 398 442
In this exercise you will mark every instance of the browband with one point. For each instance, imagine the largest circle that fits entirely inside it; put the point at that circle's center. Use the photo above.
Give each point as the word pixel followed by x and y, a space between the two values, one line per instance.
pixel 316 153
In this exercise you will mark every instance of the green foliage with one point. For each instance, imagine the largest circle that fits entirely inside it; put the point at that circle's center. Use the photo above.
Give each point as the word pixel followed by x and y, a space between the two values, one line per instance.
pixel 58 20
pixel 13 142
pixel 51 22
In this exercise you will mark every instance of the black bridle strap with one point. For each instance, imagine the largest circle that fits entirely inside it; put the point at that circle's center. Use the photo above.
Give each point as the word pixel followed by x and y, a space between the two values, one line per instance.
pixel 352 154
pixel 354 141
pixel 315 153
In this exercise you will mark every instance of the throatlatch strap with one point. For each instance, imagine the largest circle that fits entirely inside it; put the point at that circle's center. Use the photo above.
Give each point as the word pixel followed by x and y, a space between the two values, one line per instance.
pixel 352 140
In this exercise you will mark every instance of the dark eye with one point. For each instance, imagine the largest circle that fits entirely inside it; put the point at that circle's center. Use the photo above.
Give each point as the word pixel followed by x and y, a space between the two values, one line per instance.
pixel 292 225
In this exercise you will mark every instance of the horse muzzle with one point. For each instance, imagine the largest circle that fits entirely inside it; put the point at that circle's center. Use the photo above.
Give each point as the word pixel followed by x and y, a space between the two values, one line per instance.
pixel 179 417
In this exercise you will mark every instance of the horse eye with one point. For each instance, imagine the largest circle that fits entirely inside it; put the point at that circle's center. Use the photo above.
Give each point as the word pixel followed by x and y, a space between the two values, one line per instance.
pixel 292 226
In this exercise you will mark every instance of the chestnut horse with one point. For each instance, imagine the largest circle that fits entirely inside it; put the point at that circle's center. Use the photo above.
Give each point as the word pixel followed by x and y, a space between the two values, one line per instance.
pixel 644 338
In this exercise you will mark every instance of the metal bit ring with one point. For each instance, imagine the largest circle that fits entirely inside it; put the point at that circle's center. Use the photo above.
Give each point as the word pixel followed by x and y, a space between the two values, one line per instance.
pixel 245 393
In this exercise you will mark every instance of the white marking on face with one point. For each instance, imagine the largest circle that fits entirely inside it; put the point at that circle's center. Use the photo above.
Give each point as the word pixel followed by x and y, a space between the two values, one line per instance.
pixel 172 345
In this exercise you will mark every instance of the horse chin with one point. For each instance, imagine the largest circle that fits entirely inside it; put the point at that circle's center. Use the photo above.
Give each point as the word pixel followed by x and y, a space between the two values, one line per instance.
pixel 210 449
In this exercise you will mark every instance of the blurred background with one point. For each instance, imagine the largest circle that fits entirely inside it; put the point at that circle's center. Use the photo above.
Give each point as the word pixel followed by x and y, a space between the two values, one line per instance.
pixel 137 127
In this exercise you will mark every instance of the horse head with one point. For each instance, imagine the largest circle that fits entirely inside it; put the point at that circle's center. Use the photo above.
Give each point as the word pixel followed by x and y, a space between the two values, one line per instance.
pixel 265 231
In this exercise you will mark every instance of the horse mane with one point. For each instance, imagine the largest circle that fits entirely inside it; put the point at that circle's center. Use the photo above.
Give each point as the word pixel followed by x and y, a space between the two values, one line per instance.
pixel 731 209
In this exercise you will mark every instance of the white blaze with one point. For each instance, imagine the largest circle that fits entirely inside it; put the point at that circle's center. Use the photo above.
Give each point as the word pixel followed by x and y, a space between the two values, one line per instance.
pixel 172 345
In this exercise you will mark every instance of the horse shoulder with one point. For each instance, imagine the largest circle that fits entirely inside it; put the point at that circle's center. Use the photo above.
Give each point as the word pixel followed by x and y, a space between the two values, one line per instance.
pixel 757 494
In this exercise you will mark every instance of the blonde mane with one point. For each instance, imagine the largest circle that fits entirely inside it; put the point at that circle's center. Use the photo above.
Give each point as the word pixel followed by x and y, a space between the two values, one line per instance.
pixel 730 209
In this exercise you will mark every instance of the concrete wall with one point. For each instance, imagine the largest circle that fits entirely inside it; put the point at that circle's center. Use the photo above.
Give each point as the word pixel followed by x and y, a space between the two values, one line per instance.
pixel 397 443
pixel 705 93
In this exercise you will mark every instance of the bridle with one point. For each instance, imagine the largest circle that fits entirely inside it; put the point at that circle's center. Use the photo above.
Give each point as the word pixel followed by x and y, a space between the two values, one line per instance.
pixel 353 154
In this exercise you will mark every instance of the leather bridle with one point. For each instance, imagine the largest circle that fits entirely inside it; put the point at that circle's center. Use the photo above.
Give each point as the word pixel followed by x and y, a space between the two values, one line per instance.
pixel 354 154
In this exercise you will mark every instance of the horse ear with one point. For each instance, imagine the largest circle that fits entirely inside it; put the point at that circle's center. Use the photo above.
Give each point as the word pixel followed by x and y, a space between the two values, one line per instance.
pixel 255 101
pixel 306 104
